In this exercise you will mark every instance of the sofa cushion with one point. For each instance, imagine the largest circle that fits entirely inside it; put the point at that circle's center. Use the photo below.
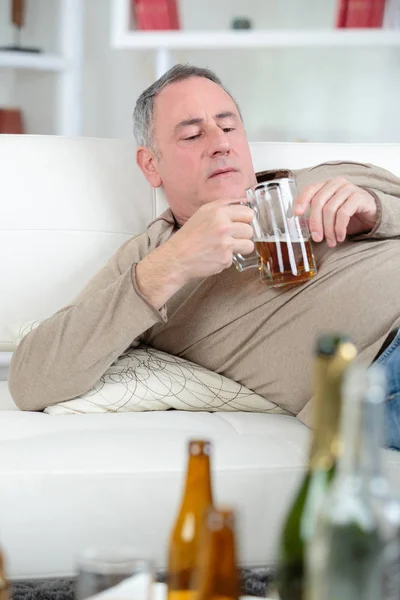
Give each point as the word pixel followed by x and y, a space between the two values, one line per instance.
pixel 70 483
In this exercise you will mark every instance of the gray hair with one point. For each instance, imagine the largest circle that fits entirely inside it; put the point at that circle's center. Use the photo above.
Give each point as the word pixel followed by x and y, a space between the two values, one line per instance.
pixel 144 109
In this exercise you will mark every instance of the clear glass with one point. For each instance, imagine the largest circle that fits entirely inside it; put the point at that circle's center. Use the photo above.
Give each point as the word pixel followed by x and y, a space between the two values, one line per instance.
pixel 386 504
pixel 282 240
pixel 114 573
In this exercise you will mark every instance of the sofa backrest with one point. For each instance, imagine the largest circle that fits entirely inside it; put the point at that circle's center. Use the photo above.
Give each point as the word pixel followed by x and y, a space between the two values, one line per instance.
pixel 67 204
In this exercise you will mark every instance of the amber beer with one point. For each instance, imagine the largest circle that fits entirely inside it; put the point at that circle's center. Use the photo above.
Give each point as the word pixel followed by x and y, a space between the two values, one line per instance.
pixel 283 263
pixel 184 539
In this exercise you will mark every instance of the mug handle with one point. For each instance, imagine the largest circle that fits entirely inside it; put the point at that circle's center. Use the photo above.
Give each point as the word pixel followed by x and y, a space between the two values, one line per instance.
pixel 242 263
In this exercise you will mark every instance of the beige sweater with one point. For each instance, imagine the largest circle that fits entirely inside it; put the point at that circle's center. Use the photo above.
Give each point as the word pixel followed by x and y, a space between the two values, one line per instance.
pixel 231 322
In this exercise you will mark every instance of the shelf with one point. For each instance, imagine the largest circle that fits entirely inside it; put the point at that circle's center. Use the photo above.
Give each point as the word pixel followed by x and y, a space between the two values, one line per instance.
pixel 146 40
pixel 35 61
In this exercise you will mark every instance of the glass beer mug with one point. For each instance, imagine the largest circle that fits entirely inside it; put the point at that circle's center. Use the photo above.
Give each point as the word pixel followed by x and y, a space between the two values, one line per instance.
pixel 282 240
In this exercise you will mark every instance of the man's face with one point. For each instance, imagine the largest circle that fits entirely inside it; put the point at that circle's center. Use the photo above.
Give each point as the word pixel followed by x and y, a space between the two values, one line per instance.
pixel 202 148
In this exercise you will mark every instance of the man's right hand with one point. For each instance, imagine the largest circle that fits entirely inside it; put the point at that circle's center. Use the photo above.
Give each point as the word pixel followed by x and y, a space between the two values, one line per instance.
pixel 203 246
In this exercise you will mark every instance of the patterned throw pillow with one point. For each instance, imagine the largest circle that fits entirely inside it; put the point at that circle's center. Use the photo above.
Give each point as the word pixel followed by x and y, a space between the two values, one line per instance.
pixel 148 379
pixel 145 379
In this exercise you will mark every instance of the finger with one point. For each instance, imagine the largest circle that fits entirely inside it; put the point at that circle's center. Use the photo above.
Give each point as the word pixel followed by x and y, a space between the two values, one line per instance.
pixel 317 204
pixel 329 213
pixel 243 247
pixel 244 214
pixel 242 231
pixel 346 211
pixel 229 202
pixel 223 204
pixel 303 200
pixel 305 197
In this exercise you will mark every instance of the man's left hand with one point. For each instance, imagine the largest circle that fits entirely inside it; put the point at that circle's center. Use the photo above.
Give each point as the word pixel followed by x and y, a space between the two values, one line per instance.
pixel 337 208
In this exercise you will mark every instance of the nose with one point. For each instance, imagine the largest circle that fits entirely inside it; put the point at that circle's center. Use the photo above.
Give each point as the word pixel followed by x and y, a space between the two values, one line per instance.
pixel 218 142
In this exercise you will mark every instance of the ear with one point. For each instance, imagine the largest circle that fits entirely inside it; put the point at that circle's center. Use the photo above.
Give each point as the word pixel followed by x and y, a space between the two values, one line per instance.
pixel 147 162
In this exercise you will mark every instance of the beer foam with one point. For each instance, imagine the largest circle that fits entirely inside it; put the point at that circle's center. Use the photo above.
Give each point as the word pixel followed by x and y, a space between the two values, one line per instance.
pixel 280 238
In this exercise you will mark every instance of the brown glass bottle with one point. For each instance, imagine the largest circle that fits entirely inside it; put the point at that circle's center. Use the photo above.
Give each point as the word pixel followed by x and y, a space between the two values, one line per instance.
pixel 184 539
pixel 217 574
pixel 4 590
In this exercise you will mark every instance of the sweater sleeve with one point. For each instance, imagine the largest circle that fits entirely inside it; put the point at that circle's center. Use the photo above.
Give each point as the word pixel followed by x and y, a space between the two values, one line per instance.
pixel 388 223
pixel 385 188
pixel 68 353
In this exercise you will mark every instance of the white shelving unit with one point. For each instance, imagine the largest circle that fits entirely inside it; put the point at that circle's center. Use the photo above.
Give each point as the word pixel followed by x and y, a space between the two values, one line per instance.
pixel 257 39
pixel 164 42
pixel 67 65
pixel 36 62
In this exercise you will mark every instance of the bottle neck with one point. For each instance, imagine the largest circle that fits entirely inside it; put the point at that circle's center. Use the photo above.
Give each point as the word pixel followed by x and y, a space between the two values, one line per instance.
pixel 350 461
pixel 198 490
pixel 373 406
pixel 324 446
pixel 373 440
pixel 362 426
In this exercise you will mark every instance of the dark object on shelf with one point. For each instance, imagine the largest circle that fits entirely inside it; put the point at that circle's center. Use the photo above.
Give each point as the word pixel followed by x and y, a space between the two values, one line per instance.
pixel 241 23
pixel 18 20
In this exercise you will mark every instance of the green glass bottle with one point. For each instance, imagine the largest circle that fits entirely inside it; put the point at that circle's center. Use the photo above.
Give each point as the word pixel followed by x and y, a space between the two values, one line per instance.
pixel 334 353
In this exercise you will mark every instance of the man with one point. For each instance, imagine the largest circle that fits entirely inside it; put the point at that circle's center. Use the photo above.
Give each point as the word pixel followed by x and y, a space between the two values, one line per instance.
pixel 175 288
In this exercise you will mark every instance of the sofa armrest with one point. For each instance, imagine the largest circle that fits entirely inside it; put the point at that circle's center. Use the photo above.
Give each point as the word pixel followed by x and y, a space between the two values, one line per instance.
pixel 7 345
pixel 6 401
pixel 5 359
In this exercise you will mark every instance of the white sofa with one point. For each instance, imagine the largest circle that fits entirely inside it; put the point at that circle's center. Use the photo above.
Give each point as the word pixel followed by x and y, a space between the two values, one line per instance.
pixel 68 482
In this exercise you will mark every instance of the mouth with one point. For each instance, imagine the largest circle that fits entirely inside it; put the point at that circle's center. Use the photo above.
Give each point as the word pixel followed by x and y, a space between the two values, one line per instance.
pixel 223 172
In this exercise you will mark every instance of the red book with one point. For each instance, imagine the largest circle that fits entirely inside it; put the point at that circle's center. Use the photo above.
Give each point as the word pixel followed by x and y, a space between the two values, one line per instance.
pixel 152 14
pixel 173 14
pixel 358 13
pixel 341 13
pixel 11 120
pixel 377 13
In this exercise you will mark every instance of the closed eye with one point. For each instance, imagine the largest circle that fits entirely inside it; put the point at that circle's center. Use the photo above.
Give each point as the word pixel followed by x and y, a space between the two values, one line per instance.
pixel 194 137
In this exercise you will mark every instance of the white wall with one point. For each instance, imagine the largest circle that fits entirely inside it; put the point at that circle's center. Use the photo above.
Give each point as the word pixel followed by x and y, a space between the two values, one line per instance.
pixel 314 94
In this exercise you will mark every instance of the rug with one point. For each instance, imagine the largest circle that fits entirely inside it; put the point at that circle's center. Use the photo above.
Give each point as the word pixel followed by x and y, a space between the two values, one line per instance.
pixel 254 582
